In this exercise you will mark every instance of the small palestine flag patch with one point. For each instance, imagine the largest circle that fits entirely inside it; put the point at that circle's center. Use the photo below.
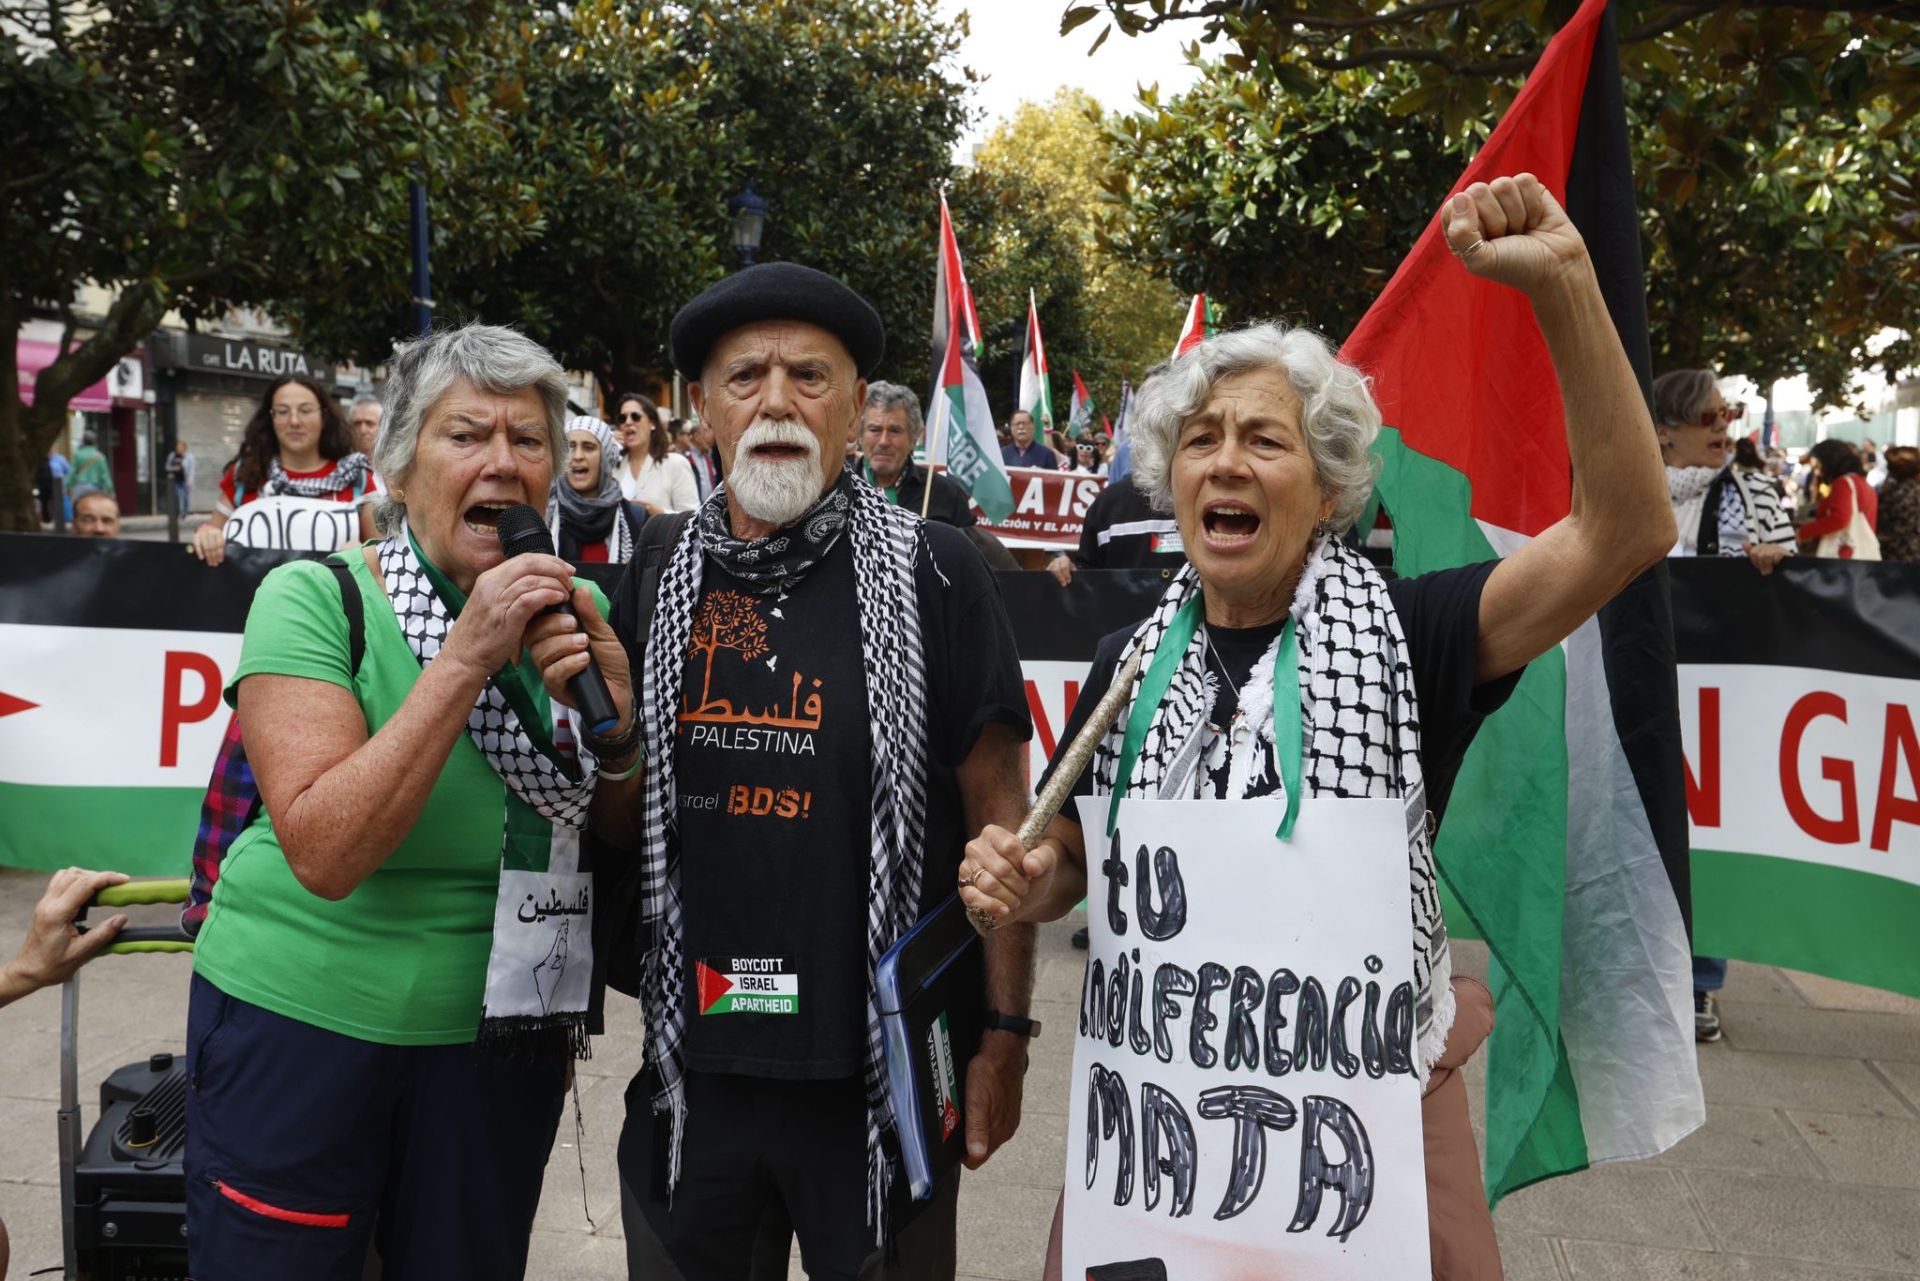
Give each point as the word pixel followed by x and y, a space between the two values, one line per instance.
pixel 746 985
pixel 940 1061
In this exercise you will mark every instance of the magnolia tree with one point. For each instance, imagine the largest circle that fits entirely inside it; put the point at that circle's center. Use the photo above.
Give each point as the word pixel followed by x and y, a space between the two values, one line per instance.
pixel 194 155
pixel 1774 148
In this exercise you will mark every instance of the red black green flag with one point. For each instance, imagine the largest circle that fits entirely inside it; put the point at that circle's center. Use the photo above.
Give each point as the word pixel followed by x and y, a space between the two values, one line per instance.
pixel 1565 845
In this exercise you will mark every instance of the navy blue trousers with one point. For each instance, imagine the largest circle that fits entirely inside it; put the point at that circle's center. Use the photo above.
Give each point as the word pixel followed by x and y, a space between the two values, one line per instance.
pixel 306 1149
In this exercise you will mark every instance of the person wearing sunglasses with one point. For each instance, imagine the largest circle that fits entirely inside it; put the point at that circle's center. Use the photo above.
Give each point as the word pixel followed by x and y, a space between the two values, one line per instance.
pixel 1720 510
pixel 652 474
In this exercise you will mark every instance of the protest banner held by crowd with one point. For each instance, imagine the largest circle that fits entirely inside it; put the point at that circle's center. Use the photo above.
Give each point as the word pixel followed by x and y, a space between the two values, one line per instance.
pixel 659 651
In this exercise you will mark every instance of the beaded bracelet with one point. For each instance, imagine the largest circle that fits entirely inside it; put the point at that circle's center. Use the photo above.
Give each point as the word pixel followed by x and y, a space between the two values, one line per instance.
pixel 620 744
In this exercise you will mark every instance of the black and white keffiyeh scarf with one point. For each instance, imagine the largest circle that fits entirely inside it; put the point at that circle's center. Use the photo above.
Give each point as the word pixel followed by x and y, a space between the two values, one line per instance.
pixel 539 971
pixel 886 540
pixel 1748 509
pixel 1764 515
pixel 1360 725
pixel 349 473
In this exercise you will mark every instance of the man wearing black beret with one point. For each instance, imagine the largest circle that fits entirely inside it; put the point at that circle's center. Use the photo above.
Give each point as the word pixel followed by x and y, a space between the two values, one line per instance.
pixel 832 701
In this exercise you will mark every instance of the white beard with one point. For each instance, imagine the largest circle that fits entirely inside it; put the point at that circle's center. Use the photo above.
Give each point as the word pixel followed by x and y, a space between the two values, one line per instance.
pixel 777 493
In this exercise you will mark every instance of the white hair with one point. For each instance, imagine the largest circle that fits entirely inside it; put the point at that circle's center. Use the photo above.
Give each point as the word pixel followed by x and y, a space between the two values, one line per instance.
pixel 777 493
pixel 1337 415
pixel 494 359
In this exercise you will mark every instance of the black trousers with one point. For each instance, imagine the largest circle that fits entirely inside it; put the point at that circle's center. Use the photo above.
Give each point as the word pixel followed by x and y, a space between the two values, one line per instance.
pixel 301 1142
pixel 764 1161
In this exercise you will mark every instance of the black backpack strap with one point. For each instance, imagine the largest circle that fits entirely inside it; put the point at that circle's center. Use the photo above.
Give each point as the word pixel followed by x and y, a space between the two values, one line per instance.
pixel 355 609
pixel 616 913
pixel 658 537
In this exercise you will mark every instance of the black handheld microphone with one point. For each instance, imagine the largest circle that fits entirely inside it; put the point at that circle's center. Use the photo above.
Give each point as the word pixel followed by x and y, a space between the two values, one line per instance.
pixel 522 530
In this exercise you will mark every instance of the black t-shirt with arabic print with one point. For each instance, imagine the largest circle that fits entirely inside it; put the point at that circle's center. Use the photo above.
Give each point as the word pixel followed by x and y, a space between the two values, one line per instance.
pixel 773 761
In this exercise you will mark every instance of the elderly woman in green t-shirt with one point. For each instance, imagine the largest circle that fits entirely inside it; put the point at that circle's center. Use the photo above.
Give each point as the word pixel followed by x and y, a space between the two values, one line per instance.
pixel 395 964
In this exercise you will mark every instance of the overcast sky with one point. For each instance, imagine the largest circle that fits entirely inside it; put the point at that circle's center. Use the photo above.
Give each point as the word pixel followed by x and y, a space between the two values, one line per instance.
pixel 1017 45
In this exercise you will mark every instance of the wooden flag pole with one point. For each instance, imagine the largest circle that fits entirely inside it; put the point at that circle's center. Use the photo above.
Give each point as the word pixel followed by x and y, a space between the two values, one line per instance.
pixel 1069 766
pixel 936 434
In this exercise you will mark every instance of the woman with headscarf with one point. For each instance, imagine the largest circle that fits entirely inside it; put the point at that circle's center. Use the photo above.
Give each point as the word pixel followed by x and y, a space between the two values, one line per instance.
pixel 1721 509
pixel 1844 523
pixel 590 522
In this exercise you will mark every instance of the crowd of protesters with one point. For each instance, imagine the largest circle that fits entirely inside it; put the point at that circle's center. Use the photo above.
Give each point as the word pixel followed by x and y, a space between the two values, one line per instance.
pixel 365 948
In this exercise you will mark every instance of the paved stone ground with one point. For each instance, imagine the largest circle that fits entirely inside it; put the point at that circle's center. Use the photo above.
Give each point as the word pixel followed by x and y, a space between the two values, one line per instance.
pixel 1808 1168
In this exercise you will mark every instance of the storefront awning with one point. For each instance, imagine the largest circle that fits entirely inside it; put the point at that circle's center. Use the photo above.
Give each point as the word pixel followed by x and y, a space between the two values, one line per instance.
pixel 32 357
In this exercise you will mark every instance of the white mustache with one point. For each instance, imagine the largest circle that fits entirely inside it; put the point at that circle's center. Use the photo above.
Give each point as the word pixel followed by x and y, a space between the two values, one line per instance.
pixel 780 431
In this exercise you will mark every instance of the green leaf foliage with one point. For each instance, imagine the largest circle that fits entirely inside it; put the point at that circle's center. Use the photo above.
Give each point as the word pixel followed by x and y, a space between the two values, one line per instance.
pixel 1101 314
pixel 641 121
pixel 1773 152
pixel 196 156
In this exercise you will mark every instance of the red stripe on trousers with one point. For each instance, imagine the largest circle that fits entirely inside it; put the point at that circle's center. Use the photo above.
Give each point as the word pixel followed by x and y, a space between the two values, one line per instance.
pixel 275 1212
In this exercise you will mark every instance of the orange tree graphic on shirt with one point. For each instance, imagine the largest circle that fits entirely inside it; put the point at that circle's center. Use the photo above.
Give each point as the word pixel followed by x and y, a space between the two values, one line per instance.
pixel 726 620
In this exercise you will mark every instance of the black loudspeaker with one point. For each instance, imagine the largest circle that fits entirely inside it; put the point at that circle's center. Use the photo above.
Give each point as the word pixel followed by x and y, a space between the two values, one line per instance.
pixel 129 1184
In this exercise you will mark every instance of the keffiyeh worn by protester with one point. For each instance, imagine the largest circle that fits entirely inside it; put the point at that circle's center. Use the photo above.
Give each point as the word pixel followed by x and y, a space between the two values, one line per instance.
pixel 1359 722
pixel 539 971
pixel 1687 492
pixel 1764 515
pixel 1748 510
pixel 349 473
pixel 575 519
pixel 886 540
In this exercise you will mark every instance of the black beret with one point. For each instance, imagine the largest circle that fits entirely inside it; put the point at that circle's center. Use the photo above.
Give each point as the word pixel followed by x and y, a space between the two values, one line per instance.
pixel 776 291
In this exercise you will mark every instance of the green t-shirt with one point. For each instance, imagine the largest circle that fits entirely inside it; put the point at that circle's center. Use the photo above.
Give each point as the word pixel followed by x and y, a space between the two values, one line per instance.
pixel 402 960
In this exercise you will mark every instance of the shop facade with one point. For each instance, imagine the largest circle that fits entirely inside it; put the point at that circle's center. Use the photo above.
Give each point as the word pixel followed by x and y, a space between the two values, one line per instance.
pixel 208 385
pixel 116 410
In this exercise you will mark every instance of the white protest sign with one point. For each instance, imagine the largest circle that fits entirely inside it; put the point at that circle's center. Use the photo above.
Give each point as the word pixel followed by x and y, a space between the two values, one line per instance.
pixel 289 524
pixel 1245 1103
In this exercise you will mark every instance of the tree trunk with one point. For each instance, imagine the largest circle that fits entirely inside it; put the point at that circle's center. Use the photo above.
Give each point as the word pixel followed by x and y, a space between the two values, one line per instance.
pixel 28 431
pixel 18 461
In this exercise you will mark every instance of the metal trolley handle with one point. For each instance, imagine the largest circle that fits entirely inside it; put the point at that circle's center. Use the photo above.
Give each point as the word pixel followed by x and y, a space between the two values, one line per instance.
pixel 131 939
pixel 142 938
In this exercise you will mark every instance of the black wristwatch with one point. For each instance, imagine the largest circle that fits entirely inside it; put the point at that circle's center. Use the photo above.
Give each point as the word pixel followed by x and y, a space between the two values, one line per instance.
pixel 995 1021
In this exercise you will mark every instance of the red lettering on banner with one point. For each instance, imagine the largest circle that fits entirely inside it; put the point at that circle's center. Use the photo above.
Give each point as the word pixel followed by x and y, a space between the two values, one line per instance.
pixel 1900 744
pixel 1703 797
pixel 1041 725
pixel 173 712
pixel 1844 830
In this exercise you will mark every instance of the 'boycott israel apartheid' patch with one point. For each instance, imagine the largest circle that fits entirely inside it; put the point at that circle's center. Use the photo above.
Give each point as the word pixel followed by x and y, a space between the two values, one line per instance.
pixel 747 985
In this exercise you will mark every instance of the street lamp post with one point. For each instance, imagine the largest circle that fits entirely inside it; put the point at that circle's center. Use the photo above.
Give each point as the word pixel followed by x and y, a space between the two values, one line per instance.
pixel 749 223
pixel 422 304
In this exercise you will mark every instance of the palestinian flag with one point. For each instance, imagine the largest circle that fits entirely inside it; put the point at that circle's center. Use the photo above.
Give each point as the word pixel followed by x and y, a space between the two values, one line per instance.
pixel 1080 410
pixel 1592 1057
pixel 962 423
pixel 1198 326
pixel 1035 396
